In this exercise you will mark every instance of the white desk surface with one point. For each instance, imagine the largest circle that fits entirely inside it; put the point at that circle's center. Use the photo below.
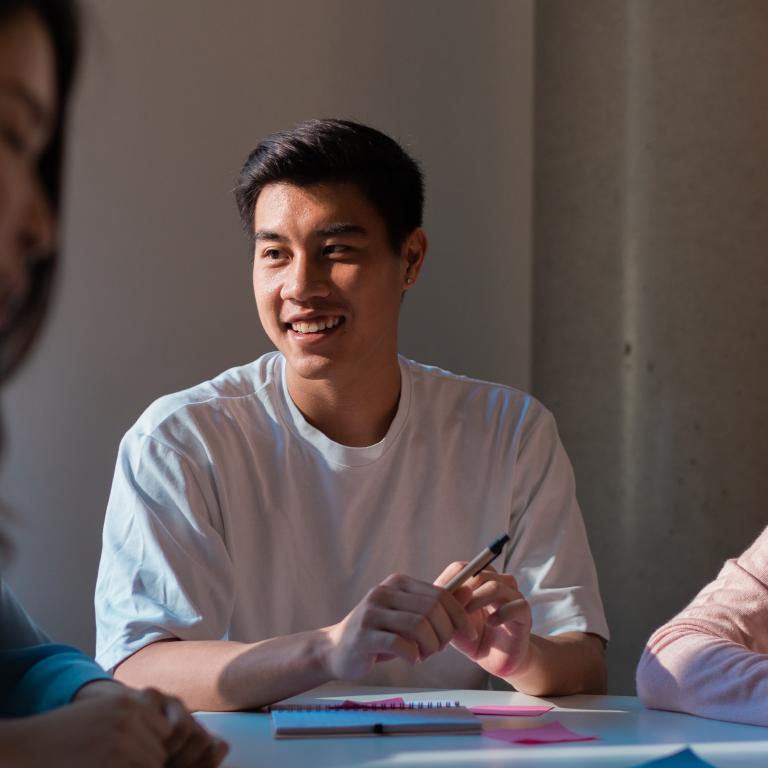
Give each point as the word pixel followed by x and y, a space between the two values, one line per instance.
pixel 628 735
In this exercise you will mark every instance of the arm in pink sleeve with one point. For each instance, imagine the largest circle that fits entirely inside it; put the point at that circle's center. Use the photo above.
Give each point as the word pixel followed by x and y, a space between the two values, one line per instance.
pixel 712 658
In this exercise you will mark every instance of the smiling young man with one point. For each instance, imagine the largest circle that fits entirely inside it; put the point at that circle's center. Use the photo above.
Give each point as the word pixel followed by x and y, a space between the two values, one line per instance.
pixel 292 521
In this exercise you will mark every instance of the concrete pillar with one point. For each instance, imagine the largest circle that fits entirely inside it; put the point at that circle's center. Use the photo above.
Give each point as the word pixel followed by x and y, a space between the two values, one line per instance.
pixel 651 288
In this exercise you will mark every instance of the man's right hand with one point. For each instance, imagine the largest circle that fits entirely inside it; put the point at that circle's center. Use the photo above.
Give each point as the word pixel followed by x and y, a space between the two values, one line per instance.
pixel 111 725
pixel 400 618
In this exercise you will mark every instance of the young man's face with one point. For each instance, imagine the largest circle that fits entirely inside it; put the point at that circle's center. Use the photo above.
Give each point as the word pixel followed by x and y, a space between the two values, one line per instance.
pixel 327 283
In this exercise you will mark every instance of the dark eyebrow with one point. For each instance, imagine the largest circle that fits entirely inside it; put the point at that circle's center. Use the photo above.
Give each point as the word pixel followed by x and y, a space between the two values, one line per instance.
pixel 265 234
pixel 29 100
pixel 341 229
pixel 330 231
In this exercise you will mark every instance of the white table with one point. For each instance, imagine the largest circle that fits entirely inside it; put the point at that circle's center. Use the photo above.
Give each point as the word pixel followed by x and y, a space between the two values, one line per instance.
pixel 628 735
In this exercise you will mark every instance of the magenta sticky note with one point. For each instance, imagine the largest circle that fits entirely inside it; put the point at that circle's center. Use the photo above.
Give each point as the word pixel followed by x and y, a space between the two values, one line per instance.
pixel 552 733
pixel 510 711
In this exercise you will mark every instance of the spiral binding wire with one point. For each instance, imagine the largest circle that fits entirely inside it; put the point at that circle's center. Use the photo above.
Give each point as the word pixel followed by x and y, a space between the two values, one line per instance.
pixel 364 707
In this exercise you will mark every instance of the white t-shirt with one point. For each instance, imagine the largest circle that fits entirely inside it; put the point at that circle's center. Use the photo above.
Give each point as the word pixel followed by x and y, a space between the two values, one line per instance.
pixel 231 517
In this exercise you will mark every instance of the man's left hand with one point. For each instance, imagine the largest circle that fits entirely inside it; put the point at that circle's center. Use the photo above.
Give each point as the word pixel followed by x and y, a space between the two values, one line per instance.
pixel 500 616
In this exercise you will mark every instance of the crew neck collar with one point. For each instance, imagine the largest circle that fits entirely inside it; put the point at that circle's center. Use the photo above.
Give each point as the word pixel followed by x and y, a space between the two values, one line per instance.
pixel 346 455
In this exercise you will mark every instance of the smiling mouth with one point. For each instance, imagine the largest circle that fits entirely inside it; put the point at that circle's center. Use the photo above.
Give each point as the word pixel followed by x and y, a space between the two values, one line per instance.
pixel 316 325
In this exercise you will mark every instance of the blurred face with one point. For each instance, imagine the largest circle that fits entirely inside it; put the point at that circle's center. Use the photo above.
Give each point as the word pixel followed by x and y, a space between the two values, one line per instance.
pixel 327 283
pixel 27 107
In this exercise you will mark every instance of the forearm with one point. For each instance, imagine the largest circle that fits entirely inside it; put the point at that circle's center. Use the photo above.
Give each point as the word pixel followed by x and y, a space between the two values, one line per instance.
pixel 712 659
pixel 688 670
pixel 226 675
pixel 561 665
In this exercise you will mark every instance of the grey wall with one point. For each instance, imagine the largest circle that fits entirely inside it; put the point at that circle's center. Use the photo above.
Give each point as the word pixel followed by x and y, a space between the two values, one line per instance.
pixel 651 286
pixel 155 289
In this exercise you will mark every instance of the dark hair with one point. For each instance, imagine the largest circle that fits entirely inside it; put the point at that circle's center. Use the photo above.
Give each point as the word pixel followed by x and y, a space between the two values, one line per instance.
pixel 321 151
pixel 60 19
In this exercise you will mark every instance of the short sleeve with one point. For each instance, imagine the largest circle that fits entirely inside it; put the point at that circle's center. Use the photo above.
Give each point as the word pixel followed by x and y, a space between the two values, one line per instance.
pixel 550 555
pixel 165 572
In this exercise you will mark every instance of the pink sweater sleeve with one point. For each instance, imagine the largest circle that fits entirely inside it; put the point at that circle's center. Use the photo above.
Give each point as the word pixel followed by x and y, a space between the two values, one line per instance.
pixel 712 658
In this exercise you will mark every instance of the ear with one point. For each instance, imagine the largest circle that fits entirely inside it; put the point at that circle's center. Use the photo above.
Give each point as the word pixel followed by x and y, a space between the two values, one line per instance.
pixel 413 252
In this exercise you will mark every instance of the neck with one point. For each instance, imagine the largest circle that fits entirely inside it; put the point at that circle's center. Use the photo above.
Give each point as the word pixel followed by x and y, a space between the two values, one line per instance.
pixel 356 411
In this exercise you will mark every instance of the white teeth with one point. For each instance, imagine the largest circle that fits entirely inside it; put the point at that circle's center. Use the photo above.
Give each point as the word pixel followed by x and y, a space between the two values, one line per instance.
pixel 315 325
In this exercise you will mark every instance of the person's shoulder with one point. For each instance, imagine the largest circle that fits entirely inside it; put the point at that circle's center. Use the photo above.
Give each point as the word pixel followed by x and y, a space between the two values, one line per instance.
pixel 467 391
pixel 754 560
pixel 240 387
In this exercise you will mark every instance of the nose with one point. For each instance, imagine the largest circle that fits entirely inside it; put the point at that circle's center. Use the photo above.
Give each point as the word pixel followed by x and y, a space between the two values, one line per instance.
pixel 31 243
pixel 305 279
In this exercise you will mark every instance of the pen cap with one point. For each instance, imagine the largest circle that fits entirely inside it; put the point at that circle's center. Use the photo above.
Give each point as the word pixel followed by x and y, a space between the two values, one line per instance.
pixel 498 545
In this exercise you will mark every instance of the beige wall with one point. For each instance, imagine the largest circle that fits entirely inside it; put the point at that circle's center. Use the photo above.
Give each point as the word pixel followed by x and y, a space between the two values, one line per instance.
pixel 155 292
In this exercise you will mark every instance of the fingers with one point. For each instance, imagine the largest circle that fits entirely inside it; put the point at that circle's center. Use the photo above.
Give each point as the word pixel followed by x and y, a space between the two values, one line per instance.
pixel 490 588
pixel 199 751
pixel 514 612
pixel 216 753
pixel 401 617
pixel 424 601
pixel 456 613
pixel 189 745
pixel 415 618
pixel 449 572
pixel 414 628
pixel 431 616
pixel 186 743
pixel 182 724
pixel 120 726
pixel 141 730
pixel 391 645
pixel 140 744
pixel 154 712
pixel 499 599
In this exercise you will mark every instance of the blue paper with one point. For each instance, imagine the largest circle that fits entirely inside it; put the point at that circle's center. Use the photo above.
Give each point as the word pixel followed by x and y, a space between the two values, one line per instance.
pixel 685 758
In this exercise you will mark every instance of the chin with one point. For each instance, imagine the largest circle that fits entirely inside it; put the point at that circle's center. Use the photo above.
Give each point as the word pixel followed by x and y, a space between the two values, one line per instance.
pixel 311 368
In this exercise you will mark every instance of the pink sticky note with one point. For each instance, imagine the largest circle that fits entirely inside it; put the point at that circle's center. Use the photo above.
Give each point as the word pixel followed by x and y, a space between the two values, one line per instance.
pixel 551 733
pixel 510 711
pixel 396 701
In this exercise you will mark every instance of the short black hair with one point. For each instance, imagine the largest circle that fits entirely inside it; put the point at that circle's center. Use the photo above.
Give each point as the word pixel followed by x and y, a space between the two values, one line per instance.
pixel 330 150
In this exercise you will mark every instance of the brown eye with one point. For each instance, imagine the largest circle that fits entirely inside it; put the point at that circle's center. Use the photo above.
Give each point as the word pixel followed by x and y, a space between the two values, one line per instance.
pixel 337 249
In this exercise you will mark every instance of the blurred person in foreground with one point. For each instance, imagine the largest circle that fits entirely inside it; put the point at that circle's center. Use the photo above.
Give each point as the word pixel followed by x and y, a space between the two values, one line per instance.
pixel 56 704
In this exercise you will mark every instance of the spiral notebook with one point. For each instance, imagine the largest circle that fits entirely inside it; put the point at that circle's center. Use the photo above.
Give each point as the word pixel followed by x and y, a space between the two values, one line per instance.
pixel 353 718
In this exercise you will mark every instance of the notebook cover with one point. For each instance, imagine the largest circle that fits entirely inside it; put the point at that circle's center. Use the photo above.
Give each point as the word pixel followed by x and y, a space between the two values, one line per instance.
pixel 333 722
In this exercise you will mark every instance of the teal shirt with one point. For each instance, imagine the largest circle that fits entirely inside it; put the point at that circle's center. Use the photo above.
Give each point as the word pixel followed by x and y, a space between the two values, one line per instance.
pixel 36 675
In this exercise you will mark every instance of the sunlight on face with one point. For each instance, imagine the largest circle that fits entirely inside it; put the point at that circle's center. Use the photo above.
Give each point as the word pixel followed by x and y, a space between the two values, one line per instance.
pixel 326 280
